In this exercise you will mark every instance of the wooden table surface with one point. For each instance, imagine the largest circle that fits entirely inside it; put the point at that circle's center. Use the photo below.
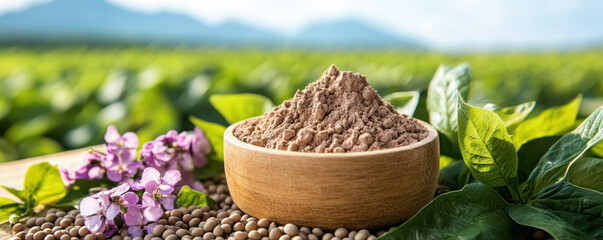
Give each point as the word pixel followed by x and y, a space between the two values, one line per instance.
pixel 12 174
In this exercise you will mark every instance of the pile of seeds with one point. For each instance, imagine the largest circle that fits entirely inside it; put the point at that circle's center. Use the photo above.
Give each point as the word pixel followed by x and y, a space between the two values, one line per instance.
pixel 225 221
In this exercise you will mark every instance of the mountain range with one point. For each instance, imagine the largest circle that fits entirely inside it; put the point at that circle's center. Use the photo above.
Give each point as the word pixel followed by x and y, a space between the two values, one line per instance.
pixel 97 21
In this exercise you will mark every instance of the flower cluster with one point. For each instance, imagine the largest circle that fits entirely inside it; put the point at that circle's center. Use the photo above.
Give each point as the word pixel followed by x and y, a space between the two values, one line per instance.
pixel 139 214
pixel 119 161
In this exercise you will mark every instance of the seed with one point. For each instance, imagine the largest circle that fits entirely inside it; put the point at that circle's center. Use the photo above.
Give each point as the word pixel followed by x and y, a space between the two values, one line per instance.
pixel 305 230
pixel 254 235
pixel 21 235
pixel 156 238
pixel 194 222
pixel 197 213
pixel 173 220
pixel 66 237
pixel 91 237
pixel 34 229
pixel 30 222
pixel 181 233
pixel 218 231
pixel 79 222
pixel 285 237
pixel 312 237
pixel 251 226
pixel 208 236
pixel 39 235
pixel 341 233
pixel 327 236
pixel 226 228
pixel 18 227
pixel 176 213
pixel 65 223
pixel 263 232
pixel 158 230
pixel 210 224
pixel 117 237
pixel 297 238
pixel 362 235
pixel 51 217
pixel 171 237
pixel 15 238
pixel 352 234
pixel 197 232
pixel 127 238
pixel 240 235
pixel 29 236
pixel 40 221
pixel 275 234
pixel 83 231
pixel 166 233
pixel 100 236
pixel 263 223
pixel 47 225
pixel 187 218
pixel 291 229
pixel 235 217
pixel 318 232
pixel 372 237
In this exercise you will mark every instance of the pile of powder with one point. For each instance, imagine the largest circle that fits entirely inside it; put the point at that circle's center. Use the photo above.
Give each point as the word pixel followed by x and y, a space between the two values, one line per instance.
pixel 339 112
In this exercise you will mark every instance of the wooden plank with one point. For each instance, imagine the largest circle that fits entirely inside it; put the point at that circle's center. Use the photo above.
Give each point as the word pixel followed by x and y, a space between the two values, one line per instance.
pixel 12 174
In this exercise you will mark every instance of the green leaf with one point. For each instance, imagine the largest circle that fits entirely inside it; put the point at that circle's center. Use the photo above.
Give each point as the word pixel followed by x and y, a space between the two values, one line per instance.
pixel 586 173
pixel 442 97
pixel 563 210
pixel 9 207
pixel 514 115
pixel 16 192
pixel 455 176
pixel 552 167
pixel 79 190
pixel 475 212
pixel 487 148
pixel 44 182
pixel 238 107
pixel 530 153
pixel 215 134
pixel 404 102
pixel 212 168
pixel 188 197
pixel 598 149
pixel 551 122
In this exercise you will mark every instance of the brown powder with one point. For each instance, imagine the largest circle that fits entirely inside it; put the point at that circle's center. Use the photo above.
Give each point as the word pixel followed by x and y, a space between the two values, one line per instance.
pixel 339 112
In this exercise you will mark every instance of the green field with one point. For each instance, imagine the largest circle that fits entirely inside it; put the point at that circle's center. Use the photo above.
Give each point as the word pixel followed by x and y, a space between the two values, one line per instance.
pixel 52 99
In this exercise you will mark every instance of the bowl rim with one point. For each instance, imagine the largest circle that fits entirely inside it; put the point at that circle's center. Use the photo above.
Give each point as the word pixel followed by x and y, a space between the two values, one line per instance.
pixel 229 136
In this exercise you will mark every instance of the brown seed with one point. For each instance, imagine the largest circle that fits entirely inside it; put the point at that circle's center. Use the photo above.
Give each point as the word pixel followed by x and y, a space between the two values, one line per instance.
pixel 127 238
pixel 205 208
pixel 291 229
pixel 240 235
pixel 208 236
pixel 235 217
pixel 238 227
pixel 18 227
pixel 34 229
pixel 173 220
pixel 84 231
pixel 312 237
pixel 197 213
pixel 275 234
pixel 341 233
pixel 158 230
pixel 327 236
pixel 263 232
pixel 171 237
pixel 74 232
pixel 209 225
pixel 40 221
pixel 372 237
pixel 116 237
pixel 79 222
pixel 58 234
pixel 49 237
pixel 176 213
pixel 47 225
pixel 187 218
pixel 30 222
pixel 194 222
pixel 285 237
pixel 29 236
pixel 197 232
pixel 297 238
pixel 21 235
pixel 352 234
pixel 148 237
pixel 318 232
pixel 166 233
pixel 51 217
pixel 65 223
pixel 254 235
pixel 181 233
pixel 65 237
pixel 218 231
pixel 305 230
pixel 39 235
pixel 251 226
pixel 226 228
pixel 100 236
pixel 183 210
pixel 263 223
pixel 14 238
pixel 90 237
pixel 362 235
pixel 156 238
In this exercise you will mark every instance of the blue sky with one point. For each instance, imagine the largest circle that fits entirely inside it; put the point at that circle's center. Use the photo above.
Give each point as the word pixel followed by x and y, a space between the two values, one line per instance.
pixel 439 24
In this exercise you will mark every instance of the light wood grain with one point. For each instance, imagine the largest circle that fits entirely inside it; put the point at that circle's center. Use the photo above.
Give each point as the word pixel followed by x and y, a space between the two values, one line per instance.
pixel 12 174
pixel 329 190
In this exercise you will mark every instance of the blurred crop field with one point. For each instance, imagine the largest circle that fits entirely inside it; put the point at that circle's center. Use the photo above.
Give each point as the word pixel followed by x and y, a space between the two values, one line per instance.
pixel 54 99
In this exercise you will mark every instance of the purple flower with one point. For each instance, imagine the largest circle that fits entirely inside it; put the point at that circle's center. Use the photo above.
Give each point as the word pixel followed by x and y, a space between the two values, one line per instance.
pixel 120 159
pixel 91 169
pixel 200 147
pixel 99 212
pixel 134 221
pixel 158 192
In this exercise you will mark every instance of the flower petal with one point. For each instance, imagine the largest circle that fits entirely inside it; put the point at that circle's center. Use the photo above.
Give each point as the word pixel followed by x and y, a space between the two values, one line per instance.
pixel 130 140
pixel 150 175
pixel 172 177
pixel 89 206
pixel 95 224
pixel 168 202
pixel 112 135
pixel 165 189
pixel 148 200
pixel 129 199
pixel 112 211
pixel 150 187
pixel 152 214
pixel 133 217
pixel 150 227
pixel 114 175
pixel 134 231
pixel 120 190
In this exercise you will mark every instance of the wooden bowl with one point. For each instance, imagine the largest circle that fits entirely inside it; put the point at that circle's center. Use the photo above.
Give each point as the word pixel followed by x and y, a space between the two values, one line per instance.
pixel 365 190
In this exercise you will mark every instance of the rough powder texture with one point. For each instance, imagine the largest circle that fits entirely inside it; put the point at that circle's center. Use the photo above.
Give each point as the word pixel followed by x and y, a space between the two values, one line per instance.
pixel 339 112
